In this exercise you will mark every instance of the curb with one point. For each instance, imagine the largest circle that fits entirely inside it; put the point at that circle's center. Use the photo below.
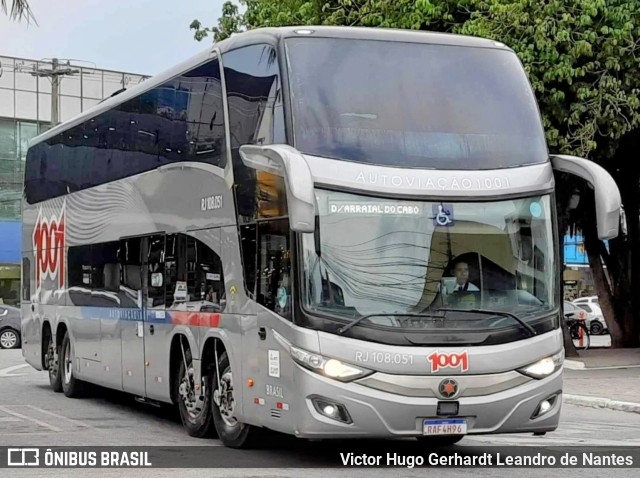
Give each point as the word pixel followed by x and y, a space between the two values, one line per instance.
pixel 574 364
pixel 577 365
pixel 598 402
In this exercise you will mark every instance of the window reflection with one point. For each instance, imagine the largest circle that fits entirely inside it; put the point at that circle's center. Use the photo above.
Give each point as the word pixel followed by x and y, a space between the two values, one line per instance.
pixel 423 105
pixel 381 256
pixel 255 117
pixel 194 278
pixel 181 120
pixel 175 271
pixel 254 97
pixel 274 271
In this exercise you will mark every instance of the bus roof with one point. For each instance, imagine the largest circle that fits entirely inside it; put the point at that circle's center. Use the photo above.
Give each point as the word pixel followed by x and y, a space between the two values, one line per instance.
pixel 358 33
pixel 270 35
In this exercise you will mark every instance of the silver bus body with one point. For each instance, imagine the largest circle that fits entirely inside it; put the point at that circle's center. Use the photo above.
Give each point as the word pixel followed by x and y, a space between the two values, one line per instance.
pixel 132 335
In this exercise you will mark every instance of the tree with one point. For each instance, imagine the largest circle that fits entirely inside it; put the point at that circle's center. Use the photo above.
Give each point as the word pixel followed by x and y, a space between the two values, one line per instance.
pixel 20 10
pixel 582 58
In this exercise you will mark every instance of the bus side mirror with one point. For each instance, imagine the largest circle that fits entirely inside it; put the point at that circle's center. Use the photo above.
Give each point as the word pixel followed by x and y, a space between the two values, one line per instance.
pixel 288 162
pixel 607 195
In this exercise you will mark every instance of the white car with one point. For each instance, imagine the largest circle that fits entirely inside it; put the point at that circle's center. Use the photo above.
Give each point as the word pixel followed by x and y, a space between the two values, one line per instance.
pixel 595 318
pixel 593 299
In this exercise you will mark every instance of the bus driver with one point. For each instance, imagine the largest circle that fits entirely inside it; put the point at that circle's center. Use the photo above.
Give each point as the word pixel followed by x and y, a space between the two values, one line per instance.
pixel 461 273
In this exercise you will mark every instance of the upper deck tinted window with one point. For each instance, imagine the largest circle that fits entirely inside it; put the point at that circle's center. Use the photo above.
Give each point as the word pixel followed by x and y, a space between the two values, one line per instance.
pixel 413 105
pixel 254 96
pixel 180 120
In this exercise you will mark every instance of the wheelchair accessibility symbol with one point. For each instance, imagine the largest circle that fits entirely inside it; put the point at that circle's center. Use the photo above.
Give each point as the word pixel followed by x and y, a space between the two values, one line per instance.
pixel 443 215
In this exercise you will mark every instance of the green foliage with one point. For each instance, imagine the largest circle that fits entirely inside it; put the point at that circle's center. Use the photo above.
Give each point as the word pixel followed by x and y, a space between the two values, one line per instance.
pixel 227 24
pixel 20 10
pixel 582 56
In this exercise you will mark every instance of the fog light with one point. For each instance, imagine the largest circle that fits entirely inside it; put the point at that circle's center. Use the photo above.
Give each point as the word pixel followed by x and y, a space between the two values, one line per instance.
pixel 331 409
pixel 544 406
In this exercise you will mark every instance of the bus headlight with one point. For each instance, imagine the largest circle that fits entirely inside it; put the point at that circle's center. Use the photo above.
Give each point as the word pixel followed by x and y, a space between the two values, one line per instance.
pixel 545 367
pixel 329 367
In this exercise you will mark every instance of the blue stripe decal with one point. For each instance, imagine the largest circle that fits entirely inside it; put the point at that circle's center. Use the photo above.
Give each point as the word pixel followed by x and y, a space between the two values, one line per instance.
pixel 129 315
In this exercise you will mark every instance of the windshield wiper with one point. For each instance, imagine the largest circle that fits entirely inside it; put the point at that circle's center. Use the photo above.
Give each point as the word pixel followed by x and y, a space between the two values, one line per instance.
pixel 530 329
pixel 342 330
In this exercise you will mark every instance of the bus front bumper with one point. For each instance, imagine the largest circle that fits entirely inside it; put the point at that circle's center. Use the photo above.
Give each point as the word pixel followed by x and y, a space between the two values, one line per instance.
pixel 375 413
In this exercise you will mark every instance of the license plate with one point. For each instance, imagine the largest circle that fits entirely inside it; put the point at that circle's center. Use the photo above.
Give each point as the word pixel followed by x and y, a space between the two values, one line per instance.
pixel 451 426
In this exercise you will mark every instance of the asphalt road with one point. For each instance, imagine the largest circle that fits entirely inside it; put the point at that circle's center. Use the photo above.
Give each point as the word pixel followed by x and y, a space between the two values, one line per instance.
pixel 32 415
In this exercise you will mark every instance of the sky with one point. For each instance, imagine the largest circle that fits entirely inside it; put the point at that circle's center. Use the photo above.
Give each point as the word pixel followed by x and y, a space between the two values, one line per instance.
pixel 134 36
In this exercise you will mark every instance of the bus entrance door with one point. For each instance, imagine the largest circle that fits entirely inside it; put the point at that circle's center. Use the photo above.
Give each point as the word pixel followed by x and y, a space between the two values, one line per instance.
pixel 132 278
pixel 157 332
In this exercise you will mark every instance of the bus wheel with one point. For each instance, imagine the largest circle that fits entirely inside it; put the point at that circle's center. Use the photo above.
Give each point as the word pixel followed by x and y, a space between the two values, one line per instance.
pixel 52 360
pixel 441 440
pixel 71 386
pixel 195 410
pixel 231 432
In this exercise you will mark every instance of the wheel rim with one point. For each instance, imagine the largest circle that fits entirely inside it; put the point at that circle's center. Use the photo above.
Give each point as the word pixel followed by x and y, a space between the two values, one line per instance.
pixel 8 339
pixel 52 360
pixel 223 396
pixel 192 403
pixel 68 362
pixel 596 329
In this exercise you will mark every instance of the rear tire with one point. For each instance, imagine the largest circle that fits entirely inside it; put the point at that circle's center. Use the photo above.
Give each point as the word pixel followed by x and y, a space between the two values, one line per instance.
pixel 71 386
pixel 196 417
pixel 441 440
pixel 231 432
pixel 53 366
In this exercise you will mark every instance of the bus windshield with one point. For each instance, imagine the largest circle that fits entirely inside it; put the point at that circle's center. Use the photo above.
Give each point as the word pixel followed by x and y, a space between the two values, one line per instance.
pixel 413 104
pixel 406 262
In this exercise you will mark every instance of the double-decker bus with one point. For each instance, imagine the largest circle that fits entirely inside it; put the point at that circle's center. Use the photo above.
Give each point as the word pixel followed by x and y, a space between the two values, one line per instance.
pixel 326 232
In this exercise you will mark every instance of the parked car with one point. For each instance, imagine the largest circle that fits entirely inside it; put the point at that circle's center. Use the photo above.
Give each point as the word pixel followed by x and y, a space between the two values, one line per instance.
pixel 572 311
pixel 595 319
pixel 9 327
pixel 592 299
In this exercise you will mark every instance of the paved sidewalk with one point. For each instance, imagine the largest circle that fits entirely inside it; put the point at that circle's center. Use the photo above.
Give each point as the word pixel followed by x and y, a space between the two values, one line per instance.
pixel 606 357
pixel 604 378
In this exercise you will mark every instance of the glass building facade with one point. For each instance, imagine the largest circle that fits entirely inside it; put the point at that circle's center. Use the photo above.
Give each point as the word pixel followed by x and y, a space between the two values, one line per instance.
pixel 25 112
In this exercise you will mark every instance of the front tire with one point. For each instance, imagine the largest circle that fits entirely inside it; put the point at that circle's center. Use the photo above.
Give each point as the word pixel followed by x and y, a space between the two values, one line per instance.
pixel 71 386
pixel 195 414
pixel 231 432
